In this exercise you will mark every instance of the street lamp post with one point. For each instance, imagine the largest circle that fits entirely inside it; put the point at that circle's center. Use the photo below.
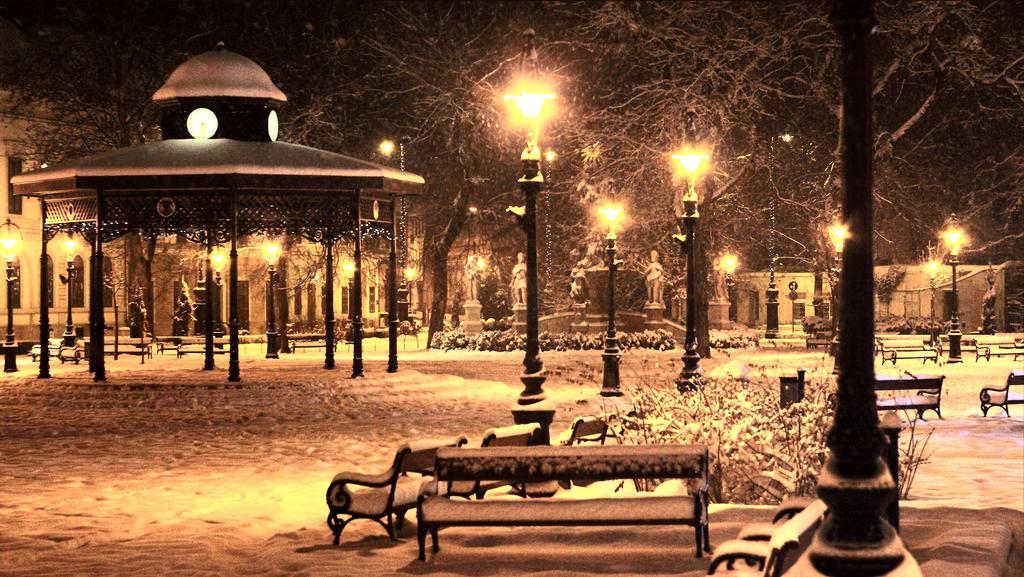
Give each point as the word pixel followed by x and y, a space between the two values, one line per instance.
pixel 693 161
pixel 954 238
pixel 70 245
pixel 217 260
pixel 837 233
pixel 10 245
pixel 272 251
pixel 532 406
pixel 612 356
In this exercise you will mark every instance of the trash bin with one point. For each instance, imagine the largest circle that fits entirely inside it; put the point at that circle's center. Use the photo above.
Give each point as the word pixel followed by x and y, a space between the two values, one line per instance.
pixel 791 388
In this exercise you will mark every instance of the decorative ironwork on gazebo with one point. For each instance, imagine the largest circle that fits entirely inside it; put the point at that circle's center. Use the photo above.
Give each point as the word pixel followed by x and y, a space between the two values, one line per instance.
pixel 219 174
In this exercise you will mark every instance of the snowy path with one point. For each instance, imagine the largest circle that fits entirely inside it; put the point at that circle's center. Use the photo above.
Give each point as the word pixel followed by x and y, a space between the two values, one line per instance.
pixel 180 476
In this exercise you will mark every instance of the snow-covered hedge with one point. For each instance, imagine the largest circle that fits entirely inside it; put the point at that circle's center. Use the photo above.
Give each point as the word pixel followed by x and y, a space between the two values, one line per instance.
pixel 760 452
pixel 509 340
pixel 737 339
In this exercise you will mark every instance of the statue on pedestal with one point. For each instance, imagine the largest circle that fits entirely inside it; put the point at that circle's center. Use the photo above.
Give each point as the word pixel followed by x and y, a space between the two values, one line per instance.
pixel 471 273
pixel 720 292
pixel 578 283
pixel 518 284
pixel 653 279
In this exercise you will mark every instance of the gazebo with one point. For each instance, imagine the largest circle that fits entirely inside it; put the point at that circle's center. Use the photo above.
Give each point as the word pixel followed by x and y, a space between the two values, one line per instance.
pixel 218 174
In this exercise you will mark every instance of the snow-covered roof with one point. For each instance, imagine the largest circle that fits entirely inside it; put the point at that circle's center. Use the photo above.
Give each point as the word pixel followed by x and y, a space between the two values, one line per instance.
pixel 216 163
pixel 219 72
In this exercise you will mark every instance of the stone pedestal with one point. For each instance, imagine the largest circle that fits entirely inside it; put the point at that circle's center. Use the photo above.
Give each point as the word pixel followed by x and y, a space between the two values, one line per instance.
pixel 579 317
pixel 718 315
pixel 471 323
pixel 519 318
pixel 654 314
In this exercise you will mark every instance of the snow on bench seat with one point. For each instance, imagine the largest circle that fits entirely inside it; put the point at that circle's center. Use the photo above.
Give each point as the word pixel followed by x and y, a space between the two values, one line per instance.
pixel 556 511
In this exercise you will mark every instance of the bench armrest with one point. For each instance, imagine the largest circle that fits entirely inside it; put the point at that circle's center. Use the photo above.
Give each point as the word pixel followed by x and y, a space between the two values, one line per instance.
pixel 752 553
pixel 365 479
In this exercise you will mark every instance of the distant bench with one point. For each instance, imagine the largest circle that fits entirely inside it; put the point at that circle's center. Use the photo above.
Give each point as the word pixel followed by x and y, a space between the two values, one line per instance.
pixel 989 350
pixel 592 462
pixel 819 339
pixel 927 393
pixel 309 341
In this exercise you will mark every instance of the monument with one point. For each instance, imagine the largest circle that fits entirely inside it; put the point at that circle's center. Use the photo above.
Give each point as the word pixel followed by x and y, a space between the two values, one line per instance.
pixel 718 308
pixel 654 308
pixel 517 288
pixel 471 323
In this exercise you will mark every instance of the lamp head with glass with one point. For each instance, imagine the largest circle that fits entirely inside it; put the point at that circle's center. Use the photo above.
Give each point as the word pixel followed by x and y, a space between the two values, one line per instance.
pixel 728 263
pixel 10 241
pixel 611 214
pixel 410 273
pixel 838 233
pixel 272 252
pixel 954 238
pixel 386 148
pixel 218 259
pixel 70 246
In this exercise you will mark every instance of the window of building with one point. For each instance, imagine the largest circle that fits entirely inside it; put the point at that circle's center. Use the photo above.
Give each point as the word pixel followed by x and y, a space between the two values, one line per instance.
pixel 77 283
pixel 49 282
pixel 346 297
pixel 13 169
pixel 311 302
pixel 108 282
pixel 297 299
pixel 16 284
pixel 372 298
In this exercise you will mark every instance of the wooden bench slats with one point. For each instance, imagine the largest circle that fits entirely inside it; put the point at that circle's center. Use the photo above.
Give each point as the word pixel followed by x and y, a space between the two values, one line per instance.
pixel 927 393
pixel 1004 396
pixel 546 511
pixel 558 463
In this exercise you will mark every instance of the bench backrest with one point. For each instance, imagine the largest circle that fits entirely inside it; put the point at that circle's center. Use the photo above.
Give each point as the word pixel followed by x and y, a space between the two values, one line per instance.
pixel 418 457
pixel 588 430
pixel 511 436
pixel 578 462
pixel 792 537
pixel 931 384
pixel 1015 378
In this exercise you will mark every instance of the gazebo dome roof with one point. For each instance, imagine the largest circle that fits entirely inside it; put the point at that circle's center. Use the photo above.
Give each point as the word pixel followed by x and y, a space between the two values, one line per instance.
pixel 218 73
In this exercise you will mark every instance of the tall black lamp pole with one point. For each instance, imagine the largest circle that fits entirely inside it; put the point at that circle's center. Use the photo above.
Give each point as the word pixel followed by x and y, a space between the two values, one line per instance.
pixel 693 161
pixel 10 244
pixel 532 406
pixel 612 356
pixel 954 238
pixel 69 327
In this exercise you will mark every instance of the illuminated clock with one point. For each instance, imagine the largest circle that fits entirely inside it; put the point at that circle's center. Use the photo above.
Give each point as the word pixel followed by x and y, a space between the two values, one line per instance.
pixel 201 123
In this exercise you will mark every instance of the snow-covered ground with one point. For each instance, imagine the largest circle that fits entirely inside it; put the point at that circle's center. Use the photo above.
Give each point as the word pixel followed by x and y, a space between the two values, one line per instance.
pixel 167 469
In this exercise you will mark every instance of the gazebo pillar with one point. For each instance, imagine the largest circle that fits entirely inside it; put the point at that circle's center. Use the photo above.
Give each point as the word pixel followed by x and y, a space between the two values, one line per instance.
pixel 45 277
pixel 393 294
pixel 96 332
pixel 233 369
pixel 356 298
pixel 329 300
pixel 208 363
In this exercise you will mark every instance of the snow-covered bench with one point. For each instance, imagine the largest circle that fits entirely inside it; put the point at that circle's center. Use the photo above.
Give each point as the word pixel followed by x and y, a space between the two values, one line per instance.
pixel 385 495
pixel 54 349
pixel 556 463
pixel 774 556
pixel 927 393
pixel 585 430
pixel 511 436
pixel 1004 396
pixel 893 350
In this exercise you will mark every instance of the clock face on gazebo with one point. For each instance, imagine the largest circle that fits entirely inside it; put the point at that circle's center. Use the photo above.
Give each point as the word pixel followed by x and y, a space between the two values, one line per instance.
pixel 219 173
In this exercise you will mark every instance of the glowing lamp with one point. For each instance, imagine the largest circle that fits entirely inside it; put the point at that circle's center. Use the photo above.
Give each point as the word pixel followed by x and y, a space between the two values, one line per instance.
pixel 70 246
pixel 530 104
pixel 272 252
pixel 410 273
pixel 932 268
pixel 550 155
pixel 786 137
pixel 838 233
pixel 693 162
pixel 611 215
pixel 201 123
pixel 349 267
pixel 728 263
pixel 481 262
pixel 954 238
pixel 218 259
pixel 386 147
pixel 10 240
